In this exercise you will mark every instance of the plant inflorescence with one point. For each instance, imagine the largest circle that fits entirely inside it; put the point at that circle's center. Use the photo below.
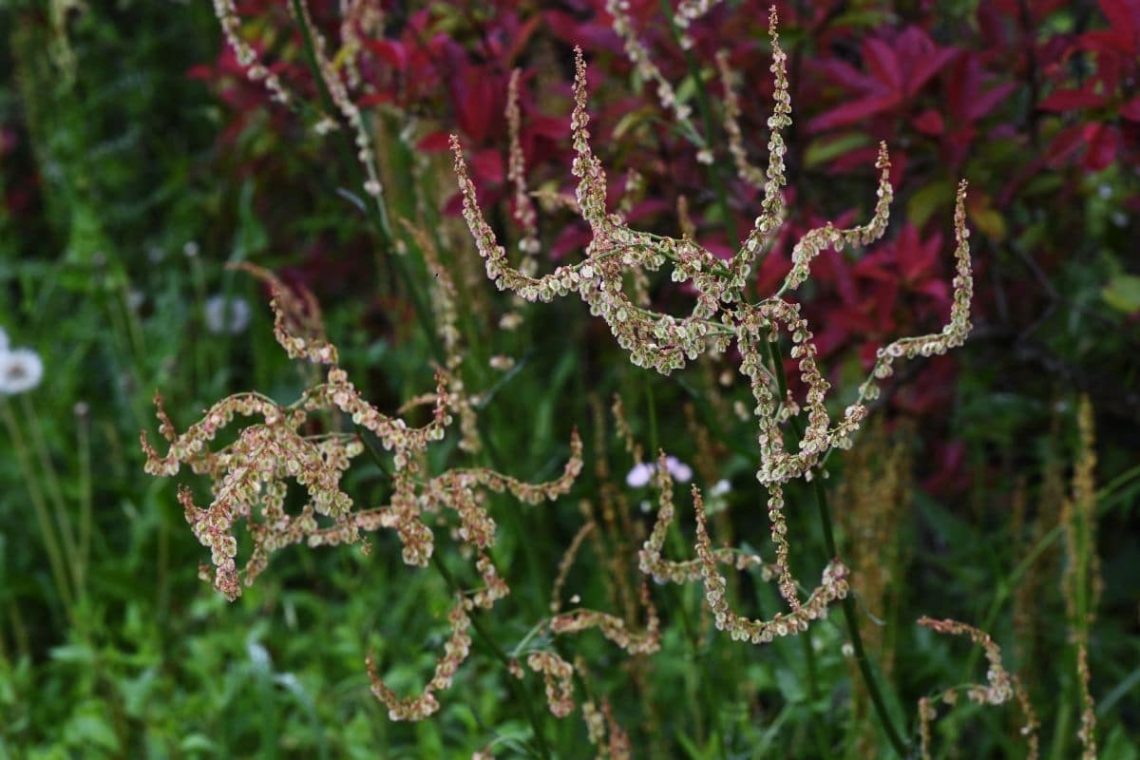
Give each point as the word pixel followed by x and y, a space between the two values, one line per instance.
pixel 314 440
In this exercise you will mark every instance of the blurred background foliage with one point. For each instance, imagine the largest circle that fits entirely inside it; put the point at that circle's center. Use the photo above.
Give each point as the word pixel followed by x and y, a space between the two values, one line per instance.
pixel 136 161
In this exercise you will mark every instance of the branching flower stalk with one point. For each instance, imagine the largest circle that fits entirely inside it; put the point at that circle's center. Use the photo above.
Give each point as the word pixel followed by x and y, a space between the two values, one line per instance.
pixel 721 317
pixel 249 478
pixel 999 688
pixel 335 98
pixel 643 64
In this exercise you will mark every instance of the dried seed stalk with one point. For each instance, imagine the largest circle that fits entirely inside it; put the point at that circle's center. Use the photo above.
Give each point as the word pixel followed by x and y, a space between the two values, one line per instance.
pixel 250 476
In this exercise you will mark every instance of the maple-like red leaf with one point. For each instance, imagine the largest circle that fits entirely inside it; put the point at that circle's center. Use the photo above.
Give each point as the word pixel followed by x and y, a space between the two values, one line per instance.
pixel 897 70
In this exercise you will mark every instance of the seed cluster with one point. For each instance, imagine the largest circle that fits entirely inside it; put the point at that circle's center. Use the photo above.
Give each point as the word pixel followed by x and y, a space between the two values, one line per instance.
pixel 650 559
pixel 719 316
pixel 249 481
pixel 1000 686
pixel 643 63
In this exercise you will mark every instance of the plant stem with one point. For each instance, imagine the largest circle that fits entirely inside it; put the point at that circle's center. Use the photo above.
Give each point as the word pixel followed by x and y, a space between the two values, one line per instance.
pixel 705 108
pixel 377 212
pixel 852 620
pixel 55 496
pixel 848 605
pixel 501 656
pixel 43 517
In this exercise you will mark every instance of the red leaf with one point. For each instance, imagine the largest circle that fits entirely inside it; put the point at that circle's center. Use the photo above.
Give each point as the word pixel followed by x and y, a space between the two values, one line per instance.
pixel 487 166
pixel 1103 141
pixel 1067 100
pixel 520 38
pixel 920 58
pixel 374 99
pixel 1124 18
pixel 478 99
pixel 392 52
pixel 1131 109
pixel 883 64
pixel 1065 144
pixel 847 75
pixel 929 122
pixel 855 111
pixel 433 142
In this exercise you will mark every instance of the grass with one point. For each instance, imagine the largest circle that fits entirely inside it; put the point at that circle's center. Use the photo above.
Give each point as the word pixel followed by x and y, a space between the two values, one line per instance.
pixel 110 646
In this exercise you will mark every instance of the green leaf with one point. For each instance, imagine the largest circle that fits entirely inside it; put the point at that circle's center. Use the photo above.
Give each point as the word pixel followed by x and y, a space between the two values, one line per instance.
pixel 197 743
pixel 989 221
pixel 1123 293
pixel 926 201
pixel 1119 746
pixel 824 149
pixel 91 727
pixel 78 654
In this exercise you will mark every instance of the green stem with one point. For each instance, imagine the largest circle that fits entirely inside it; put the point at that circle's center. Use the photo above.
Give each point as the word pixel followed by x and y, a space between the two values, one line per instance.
pixel 705 107
pixel 849 611
pixel 852 620
pixel 86 510
pixel 55 495
pixel 501 656
pixel 378 211
pixel 39 506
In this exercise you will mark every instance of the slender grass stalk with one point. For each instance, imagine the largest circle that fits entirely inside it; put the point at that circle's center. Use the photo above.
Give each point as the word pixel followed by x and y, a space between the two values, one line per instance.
pixel 201 357
pixel 39 505
pixel 705 107
pixel 20 631
pixel 55 495
pixel 86 510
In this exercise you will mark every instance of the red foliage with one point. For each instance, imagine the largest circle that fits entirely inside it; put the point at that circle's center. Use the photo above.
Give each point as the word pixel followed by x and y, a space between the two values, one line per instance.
pixel 998 98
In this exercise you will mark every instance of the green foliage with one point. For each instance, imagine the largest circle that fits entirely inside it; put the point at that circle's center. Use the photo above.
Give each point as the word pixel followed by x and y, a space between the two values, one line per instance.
pixel 118 650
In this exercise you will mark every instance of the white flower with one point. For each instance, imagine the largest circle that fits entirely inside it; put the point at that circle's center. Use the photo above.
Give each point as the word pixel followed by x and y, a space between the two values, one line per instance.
pixel 680 471
pixel 720 488
pixel 639 475
pixel 20 370
pixel 502 363
pixel 226 315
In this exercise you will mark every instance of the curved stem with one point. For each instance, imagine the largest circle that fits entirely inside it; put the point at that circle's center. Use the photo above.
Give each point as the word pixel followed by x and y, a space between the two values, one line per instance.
pixel 849 612
pixel 488 641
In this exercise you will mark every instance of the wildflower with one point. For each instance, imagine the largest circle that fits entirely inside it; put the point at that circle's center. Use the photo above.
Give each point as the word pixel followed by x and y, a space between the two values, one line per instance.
pixel 680 471
pixel 20 369
pixel 226 314
pixel 639 476
pixel 642 472
pixel 720 488
pixel 502 363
